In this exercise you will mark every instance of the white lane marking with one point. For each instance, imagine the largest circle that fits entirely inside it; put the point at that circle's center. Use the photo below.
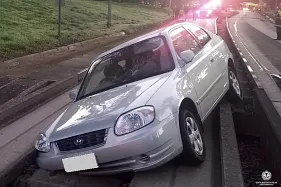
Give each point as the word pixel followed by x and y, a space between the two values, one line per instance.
pixel 235 25
pixel 275 75
pixel 250 69
pixel 245 60
pixel 240 53
pixel 261 66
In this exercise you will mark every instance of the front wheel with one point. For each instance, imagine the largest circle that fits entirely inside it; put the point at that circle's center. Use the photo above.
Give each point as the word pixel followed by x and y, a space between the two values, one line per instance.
pixel 194 150
pixel 234 94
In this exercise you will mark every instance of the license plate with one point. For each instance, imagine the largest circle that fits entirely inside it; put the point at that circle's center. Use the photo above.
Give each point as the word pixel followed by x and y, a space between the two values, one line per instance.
pixel 78 163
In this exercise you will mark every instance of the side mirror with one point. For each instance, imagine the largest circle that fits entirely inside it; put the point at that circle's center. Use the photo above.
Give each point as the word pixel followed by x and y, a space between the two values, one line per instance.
pixel 73 93
pixel 187 56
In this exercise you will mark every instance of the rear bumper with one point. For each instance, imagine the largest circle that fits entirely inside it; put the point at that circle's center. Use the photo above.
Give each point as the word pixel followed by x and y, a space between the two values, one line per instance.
pixel 159 142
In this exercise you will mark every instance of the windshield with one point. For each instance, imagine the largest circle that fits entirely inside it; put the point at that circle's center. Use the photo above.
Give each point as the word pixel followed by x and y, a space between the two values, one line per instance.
pixel 135 62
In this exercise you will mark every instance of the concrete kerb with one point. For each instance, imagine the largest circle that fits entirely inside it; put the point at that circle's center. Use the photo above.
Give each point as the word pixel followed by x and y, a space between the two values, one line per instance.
pixel 16 169
pixel 231 172
pixel 267 17
pixel 44 178
pixel 60 51
pixel 269 118
pixel 19 106
pixel 65 52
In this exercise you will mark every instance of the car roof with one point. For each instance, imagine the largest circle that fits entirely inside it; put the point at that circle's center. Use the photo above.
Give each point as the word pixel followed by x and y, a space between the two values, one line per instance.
pixel 152 34
pixel 133 41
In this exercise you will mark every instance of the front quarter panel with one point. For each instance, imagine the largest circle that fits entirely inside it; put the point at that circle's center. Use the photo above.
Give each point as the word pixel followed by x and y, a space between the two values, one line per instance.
pixel 167 99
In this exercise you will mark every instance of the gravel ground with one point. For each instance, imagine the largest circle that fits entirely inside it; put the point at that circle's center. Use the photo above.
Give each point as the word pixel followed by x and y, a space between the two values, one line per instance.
pixel 252 159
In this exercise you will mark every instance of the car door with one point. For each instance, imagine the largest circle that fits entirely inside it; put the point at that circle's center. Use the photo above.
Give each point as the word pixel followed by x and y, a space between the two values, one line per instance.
pixel 205 73
pixel 200 71
pixel 181 41
pixel 216 43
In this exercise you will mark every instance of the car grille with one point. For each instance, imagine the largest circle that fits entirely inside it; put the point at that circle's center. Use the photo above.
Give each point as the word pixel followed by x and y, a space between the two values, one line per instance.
pixel 96 138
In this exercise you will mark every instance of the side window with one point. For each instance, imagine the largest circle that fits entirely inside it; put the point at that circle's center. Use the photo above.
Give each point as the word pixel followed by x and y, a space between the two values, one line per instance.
pixel 183 40
pixel 200 34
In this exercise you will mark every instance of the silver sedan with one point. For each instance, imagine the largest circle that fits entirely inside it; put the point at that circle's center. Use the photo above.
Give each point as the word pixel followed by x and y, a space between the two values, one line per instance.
pixel 142 103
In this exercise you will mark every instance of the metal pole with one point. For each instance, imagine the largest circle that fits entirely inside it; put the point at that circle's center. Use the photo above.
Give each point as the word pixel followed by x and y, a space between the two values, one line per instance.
pixel 170 5
pixel 109 14
pixel 59 25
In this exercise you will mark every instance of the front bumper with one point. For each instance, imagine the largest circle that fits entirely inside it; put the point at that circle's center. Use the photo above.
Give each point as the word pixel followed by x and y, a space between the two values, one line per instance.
pixel 158 143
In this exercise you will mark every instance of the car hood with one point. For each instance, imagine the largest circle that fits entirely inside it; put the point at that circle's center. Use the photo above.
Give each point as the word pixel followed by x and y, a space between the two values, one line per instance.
pixel 100 111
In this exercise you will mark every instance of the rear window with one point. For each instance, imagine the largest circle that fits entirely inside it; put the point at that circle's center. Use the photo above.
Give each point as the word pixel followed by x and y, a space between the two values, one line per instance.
pixel 183 40
pixel 201 35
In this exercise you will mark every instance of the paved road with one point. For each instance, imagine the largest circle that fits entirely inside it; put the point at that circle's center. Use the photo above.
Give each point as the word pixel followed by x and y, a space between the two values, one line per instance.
pixel 258 34
pixel 15 143
pixel 254 36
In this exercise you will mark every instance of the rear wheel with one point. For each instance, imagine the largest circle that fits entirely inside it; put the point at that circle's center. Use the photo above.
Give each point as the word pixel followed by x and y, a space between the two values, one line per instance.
pixel 194 150
pixel 234 94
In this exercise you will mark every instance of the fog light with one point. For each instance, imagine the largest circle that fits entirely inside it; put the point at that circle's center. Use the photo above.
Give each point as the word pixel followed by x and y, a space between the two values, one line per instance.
pixel 144 158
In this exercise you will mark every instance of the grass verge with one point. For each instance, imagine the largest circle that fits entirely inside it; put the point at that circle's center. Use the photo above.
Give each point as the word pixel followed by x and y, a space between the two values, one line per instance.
pixel 31 26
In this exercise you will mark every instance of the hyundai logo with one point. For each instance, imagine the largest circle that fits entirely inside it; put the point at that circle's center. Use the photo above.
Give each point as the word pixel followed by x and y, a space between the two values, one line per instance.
pixel 78 141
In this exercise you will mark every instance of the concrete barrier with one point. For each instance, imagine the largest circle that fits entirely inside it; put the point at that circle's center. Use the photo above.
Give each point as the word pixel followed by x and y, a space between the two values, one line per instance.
pixel 19 106
pixel 231 172
pixel 270 121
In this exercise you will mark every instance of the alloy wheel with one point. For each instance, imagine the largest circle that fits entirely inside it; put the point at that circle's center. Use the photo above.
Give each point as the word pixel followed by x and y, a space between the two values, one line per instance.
pixel 194 135
pixel 235 84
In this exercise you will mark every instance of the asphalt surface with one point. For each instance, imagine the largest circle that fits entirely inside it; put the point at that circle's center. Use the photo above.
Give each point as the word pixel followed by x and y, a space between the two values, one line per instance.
pixel 254 36
pixel 259 34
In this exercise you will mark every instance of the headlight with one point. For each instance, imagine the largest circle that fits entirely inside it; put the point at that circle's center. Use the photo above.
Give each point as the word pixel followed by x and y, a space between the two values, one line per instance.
pixel 42 144
pixel 134 120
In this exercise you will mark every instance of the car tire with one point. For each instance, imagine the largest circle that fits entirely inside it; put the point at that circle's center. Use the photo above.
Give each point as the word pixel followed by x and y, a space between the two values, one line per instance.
pixel 234 94
pixel 194 151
